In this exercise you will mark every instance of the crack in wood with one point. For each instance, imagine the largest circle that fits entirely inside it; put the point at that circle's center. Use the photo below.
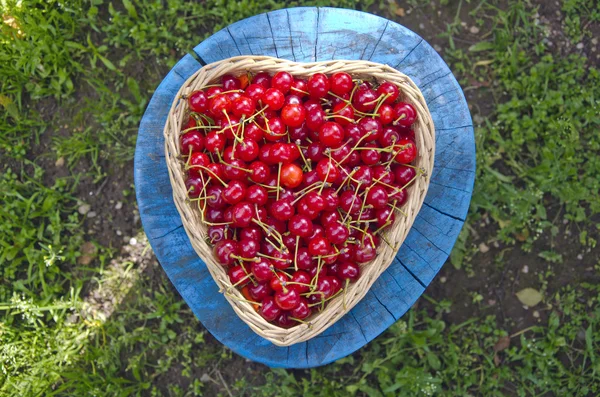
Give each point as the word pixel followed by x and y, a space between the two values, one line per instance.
pixel 407 55
pixel 167 233
pixel 387 22
pixel 234 41
pixel 287 12
pixel 272 35
pixel 444 213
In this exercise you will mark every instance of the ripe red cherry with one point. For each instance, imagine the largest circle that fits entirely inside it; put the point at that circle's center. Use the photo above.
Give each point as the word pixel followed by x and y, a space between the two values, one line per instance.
pixel 238 276
pixel 275 129
pixel 234 169
pixel 293 115
pixel 406 151
pixel 224 250
pixel 243 106
pixel 291 175
pixel 262 269
pixel 347 253
pixel 318 246
pixel 388 137
pixel 404 174
pixel 215 142
pixel 389 89
pixel 336 232
pixel 303 279
pixel 198 102
pixel 328 217
pixel 330 198
pixel 365 252
pixel 255 91
pixel 386 114
pixel 248 248
pixel 285 321
pixel 383 174
pixel 327 170
pixel 299 88
pixel 371 127
pixel 325 285
pixel 252 131
pixel 300 225
pixel 251 233
pixel 298 133
pixel 212 92
pixel 268 309
pixel 318 85
pixel 340 83
pixel 342 112
pixel 404 114
pixel 364 100
pixel 259 291
pixel 247 150
pixel 234 192
pixel 303 259
pixel 256 194
pixel 385 216
pixel 242 214
pixel 262 78
pixel 194 186
pixel 314 201
pixel 370 156
pixel 214 215
pixel 398 195
pixel 198 161
pixel 302 311
pixel 348 271
pixel 260 172
pixel 331 134
pixel 281 210
pixel 315 118
pixel 230 82
pixel 192 141
pixel 287 299
pixel 293 100
pixel 218 233
pixel 282 81
pixel 377 197
pixel 219 105
pixel 273 98
pixel 214 197
pixel 281 153
pixel 364 175
pixel 350 202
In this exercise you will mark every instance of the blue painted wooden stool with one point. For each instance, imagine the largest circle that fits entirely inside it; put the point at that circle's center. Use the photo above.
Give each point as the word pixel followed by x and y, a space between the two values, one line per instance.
pixel 306 35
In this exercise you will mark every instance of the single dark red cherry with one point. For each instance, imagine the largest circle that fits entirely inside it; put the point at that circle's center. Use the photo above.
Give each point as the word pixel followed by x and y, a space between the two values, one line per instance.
pixel 230 82
pixel 235 170
pixel 363 175
pixel 248 248
pixel 318 85
pixel 298 133
pixel 302 311
pixel 343 114
pixel 192 141
pixel 300 225
pixel 299 87
pixel 243 106
pixel 281 153
pixel 404 174
pixel 371 127
pixel 215 142
pixel 293 100
pixel 328 217
pixel 347 253
pixel 331 199
pixel 268 309
pixel 365 252
pixel 281 210
pixel 287 299
pixel 234 192
pixel 340 83
pixel 247 150
pixel 350 202
pixel 383 174
pixel 303 259
pixel 390 90
pixel 224 250
pixel 315 118
pixel 406 151
pixel 388 137
pixel 336 232
pixel 331 134
pixel 377 197
pixel 326 287
pixel 310 178
pixel 198 101
pixel 198 162
pixel 293 115
pixel 284 320
pixel 404 114
pixel 282 81
pixel 386 114
pixel 214 215
pixel 251 233
pixel 327 170
pixel 364 100
pixel 259 291
pixel 370 156
pixel 318 246
pixel 194 186
pixel 214 197
pixel 398 195
pixel 262 78
pixel 385 216
pixel 256 194
pixel 238 276
pixel 273 98
pixel 302 278
pixel 219 105
pixel 255 92
pixel 242 214
pixel 275 129
pixel 213 91
pixel 218 233
pixel 260 172
pixel 262 269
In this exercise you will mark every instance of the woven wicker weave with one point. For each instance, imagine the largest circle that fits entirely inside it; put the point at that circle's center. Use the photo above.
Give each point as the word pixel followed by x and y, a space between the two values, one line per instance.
pixel 334 310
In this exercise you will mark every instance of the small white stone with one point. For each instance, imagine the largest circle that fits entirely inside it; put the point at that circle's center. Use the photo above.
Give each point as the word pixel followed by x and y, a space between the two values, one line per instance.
pixel 119 232
pixel 536 314
pixel 132 241
pixel 91 214
pixel 525 269
pixel 463 24
pixel 84 209
pixel 595 41
pixel 565 221
pixel 119 205
pixel 580 257
pixel 60 162
pixel 422 26
pixel 443 279
pixel 579 46
pixel 205 378
pixel 474 30
pixel 491 302
pixel 483 248
pixel 437 48
pixel 496 244
pixel 525 307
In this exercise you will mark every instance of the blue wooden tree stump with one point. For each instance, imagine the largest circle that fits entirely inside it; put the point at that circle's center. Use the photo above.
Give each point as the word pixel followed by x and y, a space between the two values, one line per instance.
pixel 306 35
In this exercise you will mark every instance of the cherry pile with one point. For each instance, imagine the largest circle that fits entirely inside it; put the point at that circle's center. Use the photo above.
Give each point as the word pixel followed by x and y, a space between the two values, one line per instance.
pixel 296 180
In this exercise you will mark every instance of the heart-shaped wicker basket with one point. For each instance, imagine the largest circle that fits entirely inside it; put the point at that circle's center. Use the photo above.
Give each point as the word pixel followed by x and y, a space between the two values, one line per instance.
pixel 196 231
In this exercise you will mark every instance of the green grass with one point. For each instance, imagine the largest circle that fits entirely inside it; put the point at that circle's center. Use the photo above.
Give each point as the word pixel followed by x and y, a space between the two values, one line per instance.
pixel 76 77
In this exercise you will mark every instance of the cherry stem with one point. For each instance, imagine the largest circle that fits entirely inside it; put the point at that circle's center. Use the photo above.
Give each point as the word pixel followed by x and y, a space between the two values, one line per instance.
pixel 242 299
pixel 304 92
pixel 314 186
pixel 245 259
pixel 278 179
pixel 296 253
pixel 344 298
pixel 200 127
pixel 236 167
pixel 224 92
pixel 401 117
pixel 303 158
pixel 211 174
pixel 351 204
